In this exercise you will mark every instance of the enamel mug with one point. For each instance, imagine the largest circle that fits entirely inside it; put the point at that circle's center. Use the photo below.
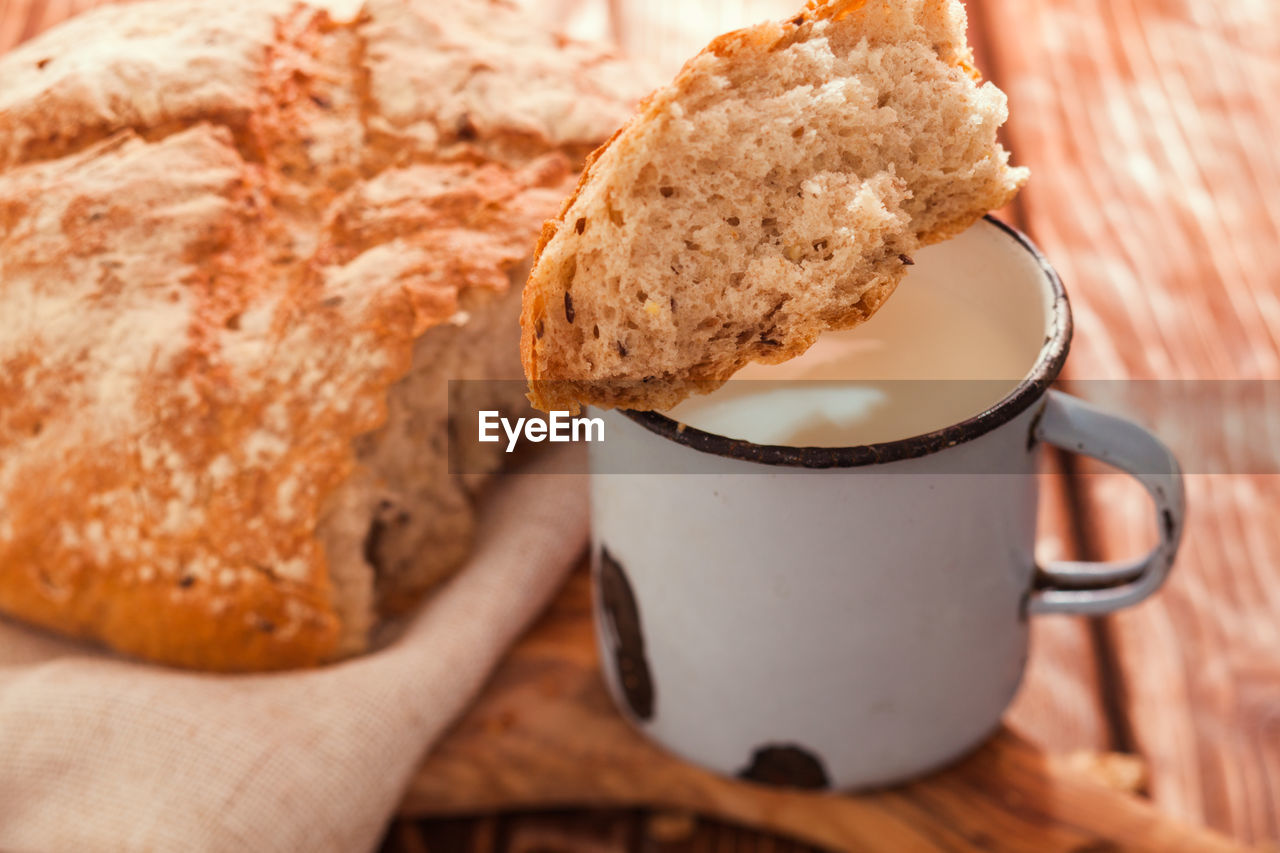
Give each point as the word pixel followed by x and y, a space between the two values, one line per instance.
pixel 851 617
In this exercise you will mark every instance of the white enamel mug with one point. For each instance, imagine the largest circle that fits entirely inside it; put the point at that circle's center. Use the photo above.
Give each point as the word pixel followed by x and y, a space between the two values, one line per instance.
pixel 852 617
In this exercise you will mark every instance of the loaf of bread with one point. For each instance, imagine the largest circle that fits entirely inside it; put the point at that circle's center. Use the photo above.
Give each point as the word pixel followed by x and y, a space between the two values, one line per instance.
pixel 775 190
pixel 243 247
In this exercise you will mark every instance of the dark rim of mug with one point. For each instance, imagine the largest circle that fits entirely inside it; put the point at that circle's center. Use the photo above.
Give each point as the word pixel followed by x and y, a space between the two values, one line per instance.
pixel 1048 365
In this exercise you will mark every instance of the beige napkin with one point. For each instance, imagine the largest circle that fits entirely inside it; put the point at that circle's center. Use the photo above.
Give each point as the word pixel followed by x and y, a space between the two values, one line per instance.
pixel 100 754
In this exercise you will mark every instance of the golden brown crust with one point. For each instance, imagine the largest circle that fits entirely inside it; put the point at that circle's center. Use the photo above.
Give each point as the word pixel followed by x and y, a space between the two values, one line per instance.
pixel 534 302
pixel 210 286
pixel 664 391
pixel 133 481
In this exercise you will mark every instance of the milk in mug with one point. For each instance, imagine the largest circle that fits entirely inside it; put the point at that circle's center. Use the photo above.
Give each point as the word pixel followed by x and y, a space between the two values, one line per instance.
pixel 946 346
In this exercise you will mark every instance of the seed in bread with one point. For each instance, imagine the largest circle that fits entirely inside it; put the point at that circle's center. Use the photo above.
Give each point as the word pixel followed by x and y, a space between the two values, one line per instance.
pixel 776 189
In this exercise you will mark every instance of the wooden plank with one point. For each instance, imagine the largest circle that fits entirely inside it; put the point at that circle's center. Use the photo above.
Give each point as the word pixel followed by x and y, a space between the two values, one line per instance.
pixel 632 831
pixel 1150 126
pixel 545 735
pixel 601 831
pixel 579 832
pixel 1060 705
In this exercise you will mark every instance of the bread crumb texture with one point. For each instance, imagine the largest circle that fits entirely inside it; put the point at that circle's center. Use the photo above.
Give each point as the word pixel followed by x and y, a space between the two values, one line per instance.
pixel 776 189
pixel 222 229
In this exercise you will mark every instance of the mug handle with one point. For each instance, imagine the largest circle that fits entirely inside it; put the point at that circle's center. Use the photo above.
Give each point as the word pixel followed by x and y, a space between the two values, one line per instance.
pixel 1089 588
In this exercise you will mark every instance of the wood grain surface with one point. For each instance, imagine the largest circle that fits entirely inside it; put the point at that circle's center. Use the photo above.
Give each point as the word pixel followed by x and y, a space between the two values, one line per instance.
pixel 1062 704
pixel 1152 133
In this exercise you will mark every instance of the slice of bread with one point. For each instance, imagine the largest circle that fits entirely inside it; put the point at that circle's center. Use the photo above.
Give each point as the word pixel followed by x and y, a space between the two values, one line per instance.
pixel 775 190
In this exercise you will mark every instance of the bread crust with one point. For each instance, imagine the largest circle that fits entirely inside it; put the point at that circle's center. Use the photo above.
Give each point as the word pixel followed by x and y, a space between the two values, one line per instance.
pixel 211 283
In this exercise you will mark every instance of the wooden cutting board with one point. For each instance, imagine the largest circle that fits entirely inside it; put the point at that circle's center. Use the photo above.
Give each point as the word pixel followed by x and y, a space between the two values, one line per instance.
pixel 544 734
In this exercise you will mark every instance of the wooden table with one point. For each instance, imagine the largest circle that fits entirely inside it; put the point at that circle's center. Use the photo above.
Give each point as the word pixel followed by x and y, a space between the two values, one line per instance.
pixel 1152 131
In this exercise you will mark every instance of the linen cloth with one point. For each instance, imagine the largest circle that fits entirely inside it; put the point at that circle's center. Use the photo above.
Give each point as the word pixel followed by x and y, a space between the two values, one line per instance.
pixel 103 754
